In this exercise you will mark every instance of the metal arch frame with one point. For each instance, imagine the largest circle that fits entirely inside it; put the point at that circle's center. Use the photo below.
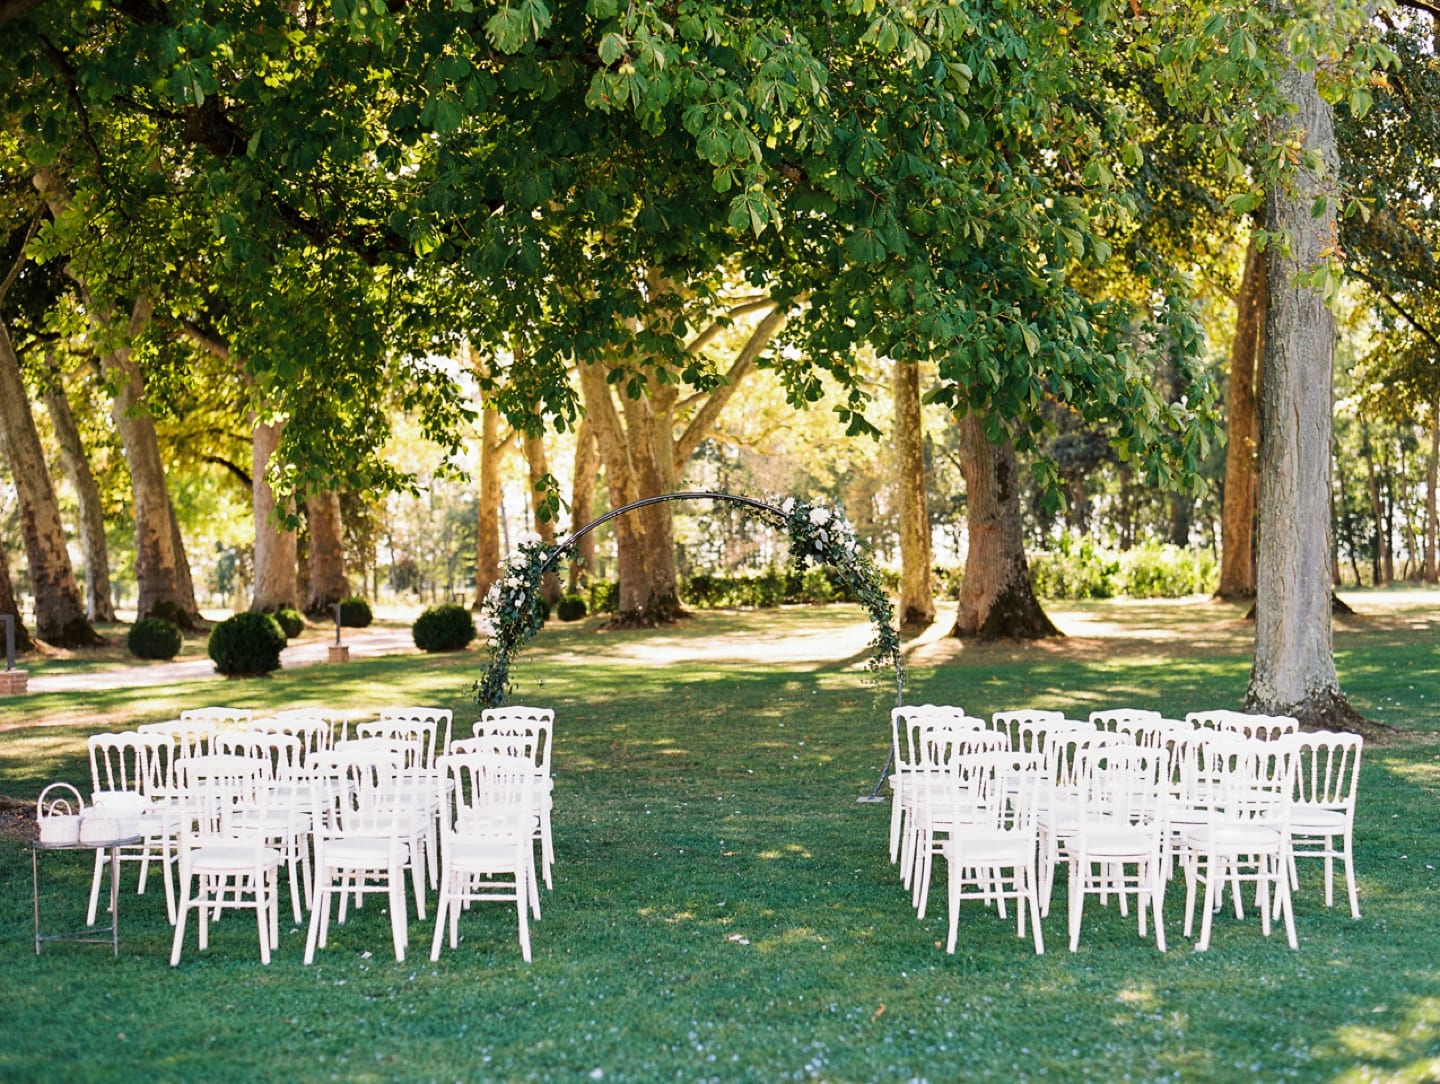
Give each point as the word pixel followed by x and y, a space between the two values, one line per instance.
pixel 771 512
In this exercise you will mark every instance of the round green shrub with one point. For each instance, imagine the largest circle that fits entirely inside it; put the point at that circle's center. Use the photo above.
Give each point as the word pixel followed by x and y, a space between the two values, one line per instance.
pixel 154 638
pixel 355 613
pixel 290 622
pixel 447 627
pixel 247 644
pixel 571 608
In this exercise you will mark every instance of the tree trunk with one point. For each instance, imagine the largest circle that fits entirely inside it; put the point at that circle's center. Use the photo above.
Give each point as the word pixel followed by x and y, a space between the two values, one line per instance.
pixel 1294 668
pixel 582 503
pixel 59 611
pixel 996 596
pixel 1237 517
pixel 328 583
pixel 630 542
pixel 161 569
pixel 539 464
pixel 917 593
pixel 487 530
pixel 99 606
pixel 1377 511
pixel 10 605
pixel 275 544
pixel 1432 475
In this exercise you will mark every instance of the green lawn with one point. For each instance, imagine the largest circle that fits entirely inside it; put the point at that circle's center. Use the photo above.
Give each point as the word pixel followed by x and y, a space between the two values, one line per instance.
pixel 724 908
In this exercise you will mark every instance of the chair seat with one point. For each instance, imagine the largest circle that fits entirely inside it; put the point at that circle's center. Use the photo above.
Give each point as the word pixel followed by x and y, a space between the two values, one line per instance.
pixel 1316 820
pixel 353 851
pixel 222 858
pixel 989 848
pixel 1236 839
pixel 1118 842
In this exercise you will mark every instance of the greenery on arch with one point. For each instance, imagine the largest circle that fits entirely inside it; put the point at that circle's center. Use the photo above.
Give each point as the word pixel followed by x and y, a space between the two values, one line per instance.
pixel 512 611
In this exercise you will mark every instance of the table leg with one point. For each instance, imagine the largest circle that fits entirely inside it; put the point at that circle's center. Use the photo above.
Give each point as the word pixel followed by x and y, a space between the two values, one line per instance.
pixel 115 900
pixel 35 891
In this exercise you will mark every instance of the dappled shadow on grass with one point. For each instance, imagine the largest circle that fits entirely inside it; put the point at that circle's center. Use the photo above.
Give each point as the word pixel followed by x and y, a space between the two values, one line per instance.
pixel 724 910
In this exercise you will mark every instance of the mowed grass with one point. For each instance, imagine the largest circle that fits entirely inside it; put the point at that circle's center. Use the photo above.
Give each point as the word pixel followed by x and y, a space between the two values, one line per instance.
pixel 724 908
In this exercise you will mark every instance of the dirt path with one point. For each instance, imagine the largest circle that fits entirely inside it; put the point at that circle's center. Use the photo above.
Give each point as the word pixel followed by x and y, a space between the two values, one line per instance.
pixel 363 643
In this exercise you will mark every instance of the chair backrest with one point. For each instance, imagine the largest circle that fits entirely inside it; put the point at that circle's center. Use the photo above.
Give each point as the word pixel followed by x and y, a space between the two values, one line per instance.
pixel 489 797
pixel 361 789
pixel 1117 783
pixel 409 750
pixel 406 730
pixel 1251 725
pixel 939 745
pixel 907 722
pixel 221 718
pixel 443 718
pixel 1012 721
pixel 1063 749
pixel 313 731
pixel 998 789
pixel 127 761
pixel 219 789
pixel 282 753
pixel 520 720
pixel 190 737
pixel 1033 735
pixel 1327 768
pixel 1111 718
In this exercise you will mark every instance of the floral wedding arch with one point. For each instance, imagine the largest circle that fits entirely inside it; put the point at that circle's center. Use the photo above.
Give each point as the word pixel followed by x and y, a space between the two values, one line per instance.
pixel 512 611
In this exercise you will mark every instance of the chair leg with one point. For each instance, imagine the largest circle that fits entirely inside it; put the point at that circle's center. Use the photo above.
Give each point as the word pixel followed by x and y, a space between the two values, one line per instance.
pixel 1350 880
pixel 521 911
pixel 398 918
pixel 442 902
pixel 178 941
pixel 262 916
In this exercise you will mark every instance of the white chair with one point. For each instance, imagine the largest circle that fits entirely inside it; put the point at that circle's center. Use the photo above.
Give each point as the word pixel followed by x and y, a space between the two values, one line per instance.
pixel 286 819
pixel 941 752
pixel 223 863
pixel 1060 804
pixel 536 727
pixel 1245 835
pixel 126 766
pixel 1118 842
pixel 486 840
pixel 990 850
pixel 905 722
pixel 1017 723
pixel 219 718
pixel 1322 818
pixel 365 837
pixel 418 731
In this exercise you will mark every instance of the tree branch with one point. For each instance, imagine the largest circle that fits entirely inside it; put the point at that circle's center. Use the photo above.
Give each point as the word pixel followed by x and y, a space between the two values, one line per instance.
pixel 1408 317
pixel 35 219
pixel 72 91
pixel 234 468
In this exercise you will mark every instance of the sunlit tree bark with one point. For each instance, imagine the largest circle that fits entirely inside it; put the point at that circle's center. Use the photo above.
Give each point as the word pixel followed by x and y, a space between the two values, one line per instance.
pixel 917 594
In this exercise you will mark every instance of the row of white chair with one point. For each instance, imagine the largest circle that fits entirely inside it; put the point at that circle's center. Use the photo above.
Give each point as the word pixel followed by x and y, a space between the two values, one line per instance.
pixel 288 770
pixel 937 748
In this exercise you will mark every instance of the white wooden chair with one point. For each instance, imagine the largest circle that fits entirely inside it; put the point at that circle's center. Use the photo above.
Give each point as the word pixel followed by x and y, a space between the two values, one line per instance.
pixel 1322 818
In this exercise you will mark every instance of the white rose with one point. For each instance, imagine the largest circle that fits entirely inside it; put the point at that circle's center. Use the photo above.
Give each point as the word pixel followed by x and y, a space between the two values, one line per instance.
pixel 529 538
pixel 819 516
pixel 788 506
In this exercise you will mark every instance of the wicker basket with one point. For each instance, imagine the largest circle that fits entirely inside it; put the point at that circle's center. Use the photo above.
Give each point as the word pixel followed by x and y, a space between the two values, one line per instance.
pixel 57 813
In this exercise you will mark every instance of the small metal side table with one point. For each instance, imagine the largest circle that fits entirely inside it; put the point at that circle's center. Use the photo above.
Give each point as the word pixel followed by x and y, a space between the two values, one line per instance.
pixel 90 935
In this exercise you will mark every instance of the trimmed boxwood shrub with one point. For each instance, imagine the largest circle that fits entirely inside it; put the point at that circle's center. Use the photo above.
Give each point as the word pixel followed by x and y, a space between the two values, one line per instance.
pixel 290 622
pixel 355 613
pixel 447 627
pixel 247 644
pixel 571 608
pixel 154 638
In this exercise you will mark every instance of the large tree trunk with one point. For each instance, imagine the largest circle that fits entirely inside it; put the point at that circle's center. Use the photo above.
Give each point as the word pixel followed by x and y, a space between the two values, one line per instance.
pixel 99 606
pixel 582 502
pixel 9 604
pixel 59 612
pixel 997 598
pixel 487 532
pixel 276 587
pixel 1237 517
pixel 539 464
pixel 1294 669
pixel 917 593
pixel 161 569
pixel 328 583
pixel 614 452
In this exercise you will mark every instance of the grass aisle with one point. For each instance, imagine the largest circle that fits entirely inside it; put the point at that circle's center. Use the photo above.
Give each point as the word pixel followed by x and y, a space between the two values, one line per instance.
pixel 724 909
